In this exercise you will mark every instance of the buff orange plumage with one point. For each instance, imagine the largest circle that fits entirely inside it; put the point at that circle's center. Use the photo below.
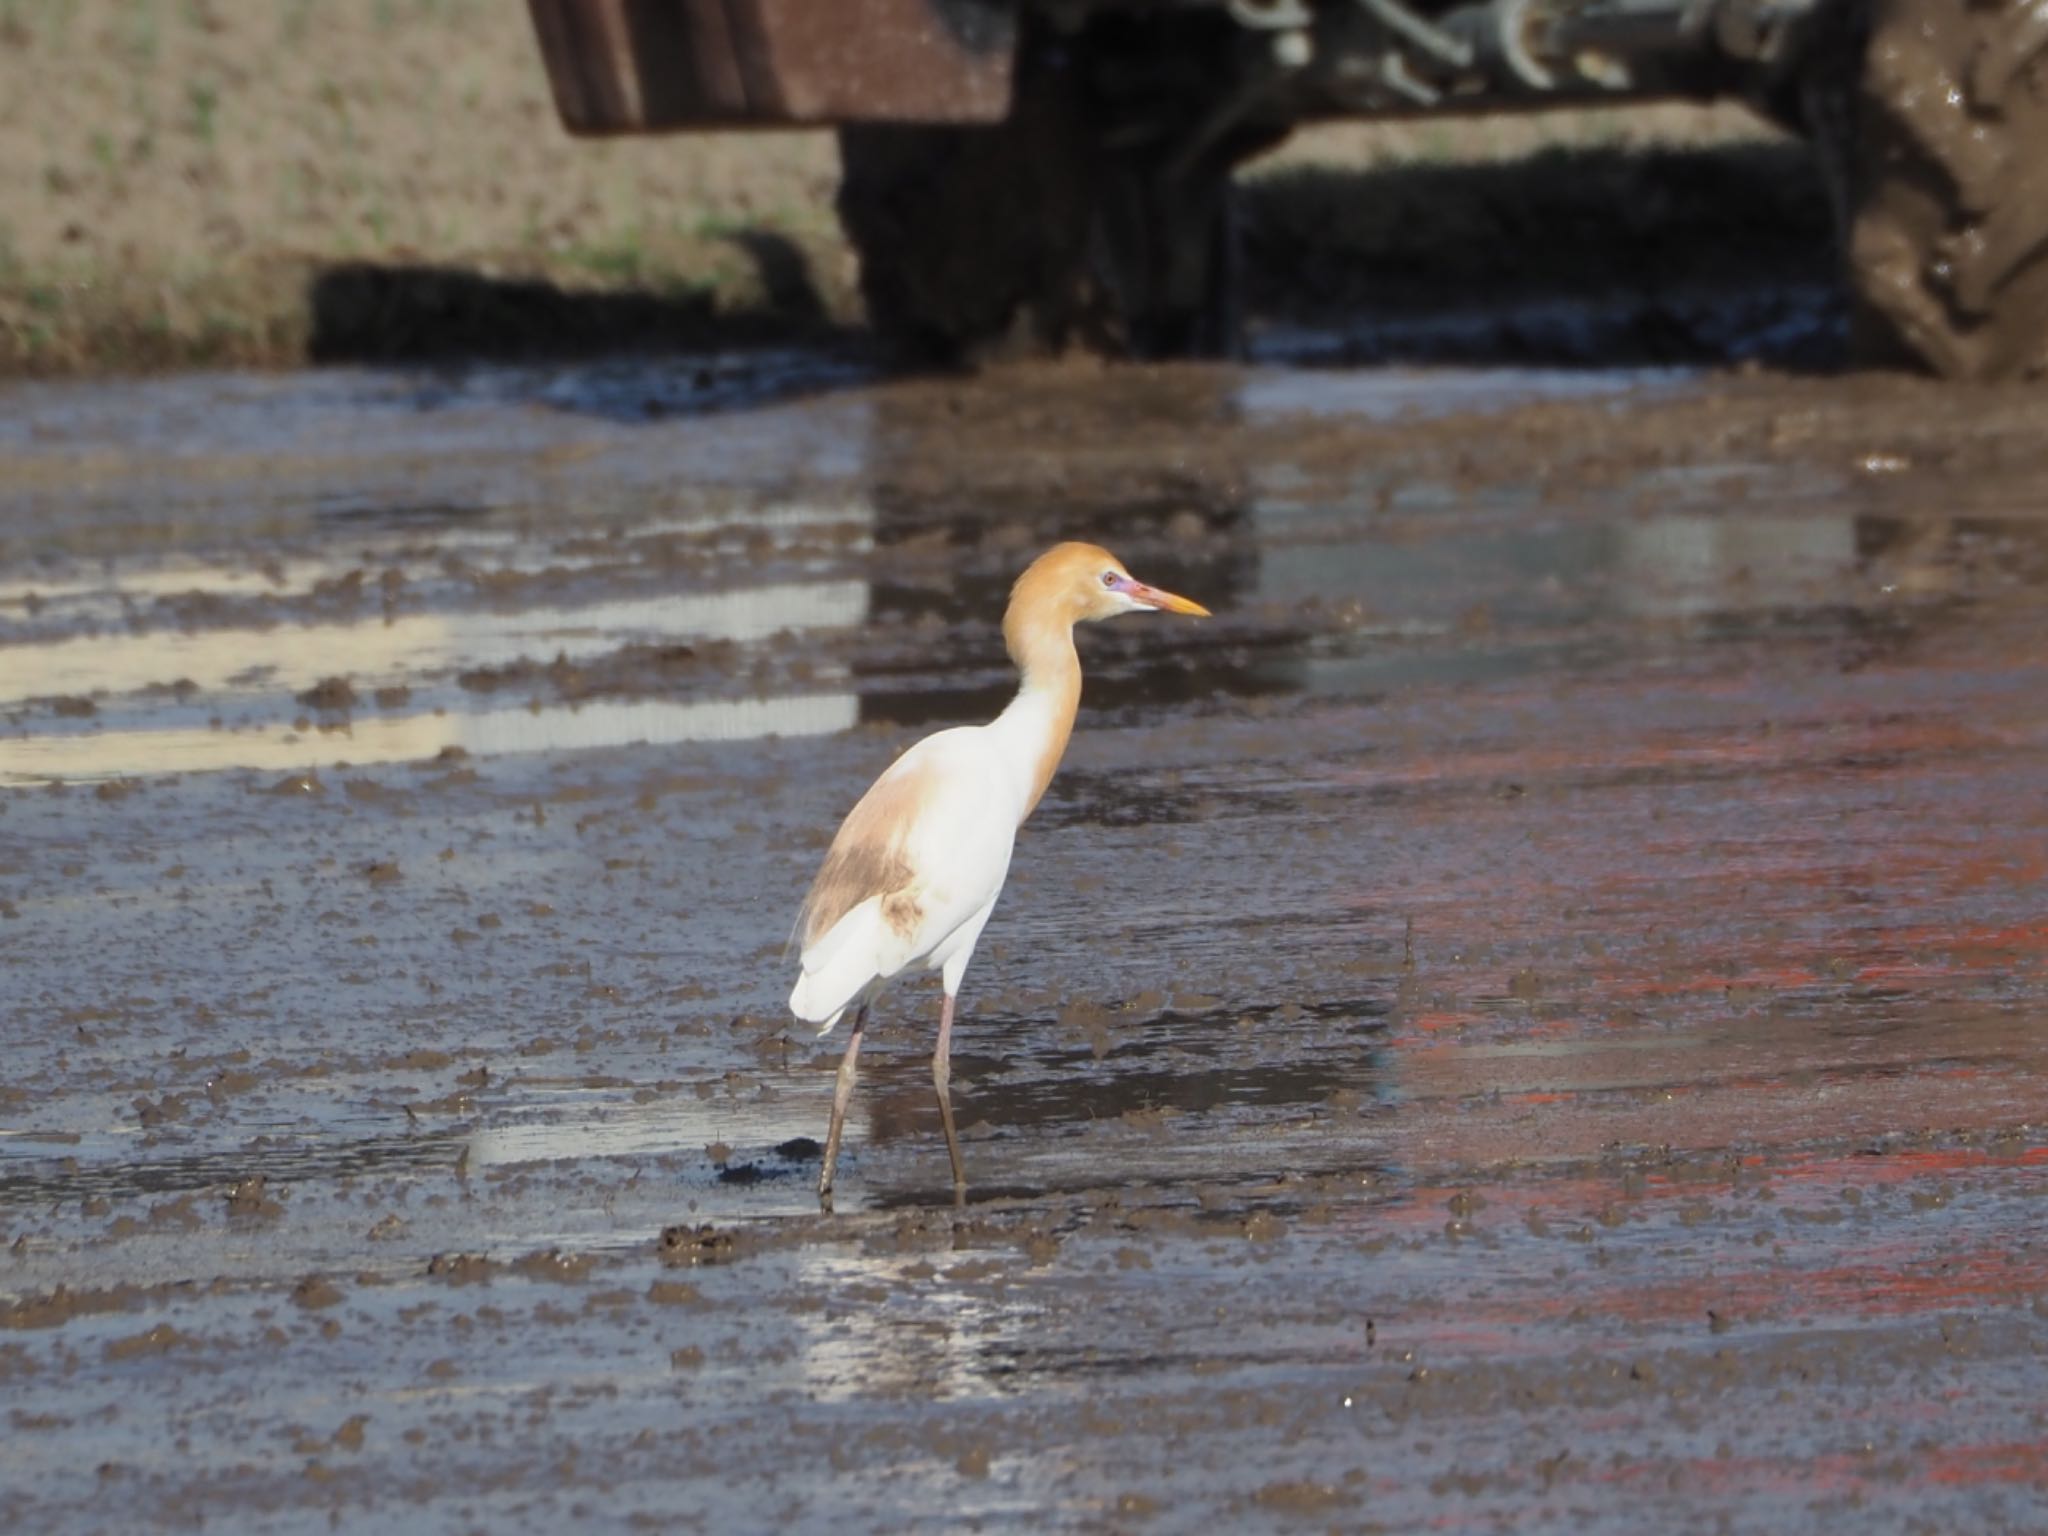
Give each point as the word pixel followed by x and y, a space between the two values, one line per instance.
pixel 918 863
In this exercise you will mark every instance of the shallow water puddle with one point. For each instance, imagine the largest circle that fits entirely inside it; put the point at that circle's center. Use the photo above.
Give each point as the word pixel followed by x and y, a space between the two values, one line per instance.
pixel 101 756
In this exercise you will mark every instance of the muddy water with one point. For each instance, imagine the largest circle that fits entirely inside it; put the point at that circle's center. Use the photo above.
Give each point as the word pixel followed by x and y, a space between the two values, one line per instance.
pixel 1532 1018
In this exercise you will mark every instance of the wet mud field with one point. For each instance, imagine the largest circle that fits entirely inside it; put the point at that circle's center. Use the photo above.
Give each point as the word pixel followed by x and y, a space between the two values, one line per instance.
pixel 1531 1019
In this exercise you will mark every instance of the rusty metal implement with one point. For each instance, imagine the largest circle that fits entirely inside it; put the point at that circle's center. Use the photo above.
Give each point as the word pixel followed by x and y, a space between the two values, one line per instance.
pixel 635 66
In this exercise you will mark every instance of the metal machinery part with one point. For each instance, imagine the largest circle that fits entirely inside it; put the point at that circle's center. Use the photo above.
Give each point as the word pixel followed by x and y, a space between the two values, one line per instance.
pixel 1377 57
pixel 653 66
pixel 1061 170
pixel 636 66
pixel 1296 61
pixel 1128 117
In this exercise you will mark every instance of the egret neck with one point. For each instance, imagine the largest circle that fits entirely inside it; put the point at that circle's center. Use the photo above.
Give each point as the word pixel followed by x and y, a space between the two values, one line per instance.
pixel 1033 730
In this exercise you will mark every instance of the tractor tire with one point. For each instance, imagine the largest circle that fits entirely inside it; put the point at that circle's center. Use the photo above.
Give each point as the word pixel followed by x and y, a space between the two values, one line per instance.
pixel 1033 238
pixel 1944 187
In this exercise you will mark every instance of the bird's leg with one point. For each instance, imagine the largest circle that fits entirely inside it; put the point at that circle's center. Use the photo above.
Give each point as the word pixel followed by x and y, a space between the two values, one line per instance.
pixel 942 1079
pixel 842 1094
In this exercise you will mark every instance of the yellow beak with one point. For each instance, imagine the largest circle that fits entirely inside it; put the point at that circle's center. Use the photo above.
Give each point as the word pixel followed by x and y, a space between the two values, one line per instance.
pixel 1166 602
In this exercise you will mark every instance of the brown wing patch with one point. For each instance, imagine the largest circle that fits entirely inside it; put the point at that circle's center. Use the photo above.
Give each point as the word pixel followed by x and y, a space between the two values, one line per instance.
pixel 902 911
pixel 866 859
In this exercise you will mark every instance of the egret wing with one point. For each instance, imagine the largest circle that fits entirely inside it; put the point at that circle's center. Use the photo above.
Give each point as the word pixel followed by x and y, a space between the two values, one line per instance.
pixel 925 849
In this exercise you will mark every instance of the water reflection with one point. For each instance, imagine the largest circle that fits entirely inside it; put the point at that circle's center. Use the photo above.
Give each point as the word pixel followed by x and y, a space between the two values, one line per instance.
pixel 395 412
pixel 1389 394
pixel 413 738
pixel 949 1343
pixel 1179 531
pixel 375 651
pixel 1398 584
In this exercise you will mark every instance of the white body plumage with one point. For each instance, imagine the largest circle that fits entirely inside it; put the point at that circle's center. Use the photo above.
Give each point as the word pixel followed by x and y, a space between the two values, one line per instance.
pixel 915 869
pixel 966 792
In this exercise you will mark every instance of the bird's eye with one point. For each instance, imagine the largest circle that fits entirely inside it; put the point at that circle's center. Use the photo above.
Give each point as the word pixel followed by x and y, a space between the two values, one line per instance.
pixel 1109 578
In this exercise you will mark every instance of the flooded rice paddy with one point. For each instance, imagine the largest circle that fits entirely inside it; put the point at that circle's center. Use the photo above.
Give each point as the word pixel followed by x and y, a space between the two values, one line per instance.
pixel 1531 1019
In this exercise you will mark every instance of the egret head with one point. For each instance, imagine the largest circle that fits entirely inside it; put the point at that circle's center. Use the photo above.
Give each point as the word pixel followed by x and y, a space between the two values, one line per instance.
pixel 1074 583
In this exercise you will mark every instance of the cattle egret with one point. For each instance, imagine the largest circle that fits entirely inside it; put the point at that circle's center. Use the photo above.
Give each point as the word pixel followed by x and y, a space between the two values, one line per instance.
pixel 917 865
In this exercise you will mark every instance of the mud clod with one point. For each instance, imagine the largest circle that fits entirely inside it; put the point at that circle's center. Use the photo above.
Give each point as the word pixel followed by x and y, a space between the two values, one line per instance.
pixel 461 1268
pixel 158 1340
pixel 686 1246
pixel 62 1304
pixel 1301 1497
pixel 333 695
pixel 252 1200
pixel 552 1264
pixel 632 669
pixel 316 1293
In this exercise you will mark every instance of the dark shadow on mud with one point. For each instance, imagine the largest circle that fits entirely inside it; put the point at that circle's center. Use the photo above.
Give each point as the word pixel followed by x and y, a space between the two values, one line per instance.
pixel 442 319
pixel 1590 258
pixel 367 312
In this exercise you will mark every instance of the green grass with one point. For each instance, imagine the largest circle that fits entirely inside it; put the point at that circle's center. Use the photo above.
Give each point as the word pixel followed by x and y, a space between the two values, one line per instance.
pixel 202 99
pixel 141 35
pixel 622 261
